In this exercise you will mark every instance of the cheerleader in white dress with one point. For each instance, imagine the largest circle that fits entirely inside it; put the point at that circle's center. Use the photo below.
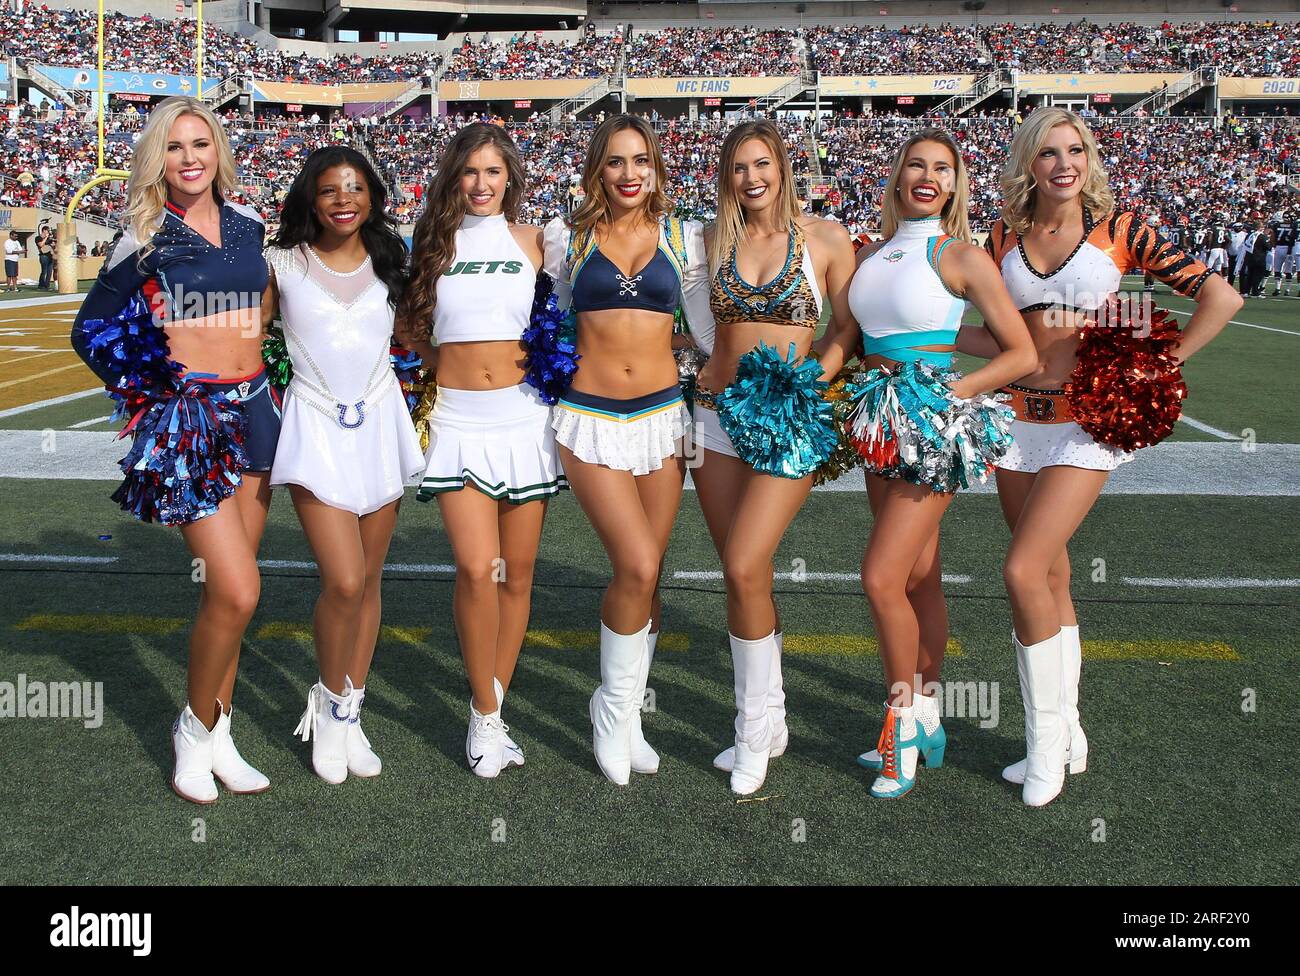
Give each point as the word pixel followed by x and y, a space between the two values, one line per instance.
pixel 347 444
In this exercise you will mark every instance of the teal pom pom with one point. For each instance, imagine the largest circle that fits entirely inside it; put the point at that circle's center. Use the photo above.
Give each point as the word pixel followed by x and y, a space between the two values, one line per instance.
pixel 775 413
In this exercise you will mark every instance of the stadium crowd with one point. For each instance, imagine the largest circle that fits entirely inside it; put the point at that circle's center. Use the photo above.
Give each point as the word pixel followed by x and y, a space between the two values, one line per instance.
pixel 1193 168
pixel 67 37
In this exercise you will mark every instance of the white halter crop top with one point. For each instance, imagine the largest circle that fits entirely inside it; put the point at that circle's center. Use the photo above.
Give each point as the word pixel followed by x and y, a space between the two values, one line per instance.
pixel 487 293
pixel 899 300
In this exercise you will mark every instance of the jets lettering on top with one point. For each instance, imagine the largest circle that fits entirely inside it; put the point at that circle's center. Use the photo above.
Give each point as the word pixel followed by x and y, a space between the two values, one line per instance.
pixel 484 267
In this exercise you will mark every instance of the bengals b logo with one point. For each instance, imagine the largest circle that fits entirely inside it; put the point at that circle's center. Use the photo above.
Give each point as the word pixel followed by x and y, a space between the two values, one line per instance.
pixel 1040 409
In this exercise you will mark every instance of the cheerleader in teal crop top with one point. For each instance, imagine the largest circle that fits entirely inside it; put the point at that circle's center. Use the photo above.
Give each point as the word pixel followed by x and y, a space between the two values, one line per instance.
pixel 923 428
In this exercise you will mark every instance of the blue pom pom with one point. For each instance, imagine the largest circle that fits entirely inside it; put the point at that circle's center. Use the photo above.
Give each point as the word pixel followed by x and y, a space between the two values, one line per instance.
pixel 129 352
pixel 775 415
pixel 408 366
pixel 552 357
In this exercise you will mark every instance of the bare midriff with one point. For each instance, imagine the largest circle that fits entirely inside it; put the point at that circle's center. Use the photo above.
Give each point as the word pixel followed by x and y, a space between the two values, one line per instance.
pixel 626 353
pixel 736 339
pixel 491 365
pixel 1056 340
pixel 228 344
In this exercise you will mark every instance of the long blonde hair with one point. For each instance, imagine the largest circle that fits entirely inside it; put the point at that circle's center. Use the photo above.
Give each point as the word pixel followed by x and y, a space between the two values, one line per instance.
pixel 594 208
pixel 1018 194
pixel 954 218
pixel 729 229
pixel 146 190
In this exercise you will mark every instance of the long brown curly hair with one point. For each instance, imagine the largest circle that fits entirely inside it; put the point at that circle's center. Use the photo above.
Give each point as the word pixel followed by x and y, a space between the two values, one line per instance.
pixel 433 243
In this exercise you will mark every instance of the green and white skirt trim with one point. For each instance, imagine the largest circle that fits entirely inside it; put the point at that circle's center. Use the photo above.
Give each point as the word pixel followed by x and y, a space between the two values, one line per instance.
pixel 499 442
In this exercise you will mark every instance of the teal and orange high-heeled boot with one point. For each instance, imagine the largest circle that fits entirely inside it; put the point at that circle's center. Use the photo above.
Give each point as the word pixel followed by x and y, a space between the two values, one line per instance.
pixel 898 753
pixel 932 740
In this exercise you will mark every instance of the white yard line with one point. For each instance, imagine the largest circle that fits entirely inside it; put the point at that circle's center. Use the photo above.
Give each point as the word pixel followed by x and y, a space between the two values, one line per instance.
pixel 90 423
pixel 388 567
pixel 715 574
pixel 1206 428
pixel 23 557
pixel 1211 583
pixel 1249 325
pixel 52 402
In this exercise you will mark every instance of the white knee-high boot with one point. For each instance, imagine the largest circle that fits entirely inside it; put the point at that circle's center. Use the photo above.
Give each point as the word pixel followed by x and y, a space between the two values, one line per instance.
pixel 613 703
pixel 726 759
pixel 644 758
pixel 1046 736
pixel 1071 667
pixel 752 660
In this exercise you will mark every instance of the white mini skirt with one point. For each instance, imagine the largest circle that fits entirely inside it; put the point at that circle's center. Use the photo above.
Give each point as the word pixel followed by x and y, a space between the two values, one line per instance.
pixel 628 435
pixel 709 433
pixel 498 441
pixel 1046 439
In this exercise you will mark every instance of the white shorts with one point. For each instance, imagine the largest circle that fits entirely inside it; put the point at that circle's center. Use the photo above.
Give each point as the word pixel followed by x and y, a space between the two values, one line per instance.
pixel 709 433
pixel 627 435
pixel 1046 441
pixel 498 441
pixel 1283 259
pixel 1217 260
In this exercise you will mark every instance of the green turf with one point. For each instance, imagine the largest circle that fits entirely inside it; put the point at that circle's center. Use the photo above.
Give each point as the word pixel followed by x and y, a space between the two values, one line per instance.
pixel 31 291
pixel 1190 789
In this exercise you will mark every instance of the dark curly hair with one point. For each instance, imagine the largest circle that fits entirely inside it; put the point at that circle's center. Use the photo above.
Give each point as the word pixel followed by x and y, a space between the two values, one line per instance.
pixel 299 224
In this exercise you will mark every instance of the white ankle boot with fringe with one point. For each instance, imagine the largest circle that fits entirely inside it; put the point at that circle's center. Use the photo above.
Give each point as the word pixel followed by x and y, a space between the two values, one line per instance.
pixel 325 724
pixel 362 760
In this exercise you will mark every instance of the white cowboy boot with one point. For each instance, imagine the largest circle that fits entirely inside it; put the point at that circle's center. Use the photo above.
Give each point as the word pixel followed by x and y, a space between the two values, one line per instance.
pixel 726 759
pixel 1046 736
pixel 362 760
pixel 644 758
pixel 228 765
pixel 192 743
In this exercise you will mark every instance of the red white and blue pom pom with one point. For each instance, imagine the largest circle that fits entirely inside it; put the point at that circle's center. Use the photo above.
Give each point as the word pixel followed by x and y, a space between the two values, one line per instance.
pixel 552 354
pixel 187 455
pixel 775 414
pixel 129 352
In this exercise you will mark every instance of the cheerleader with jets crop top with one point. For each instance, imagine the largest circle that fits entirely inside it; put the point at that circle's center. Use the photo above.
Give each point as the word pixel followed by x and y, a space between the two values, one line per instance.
pixel 1105 382
pixel 348 446
pixel 924 429
pixel 492 464
pixel 623 266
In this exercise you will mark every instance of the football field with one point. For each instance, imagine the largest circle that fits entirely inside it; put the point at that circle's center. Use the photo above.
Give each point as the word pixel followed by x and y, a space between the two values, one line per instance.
pixel 1186 580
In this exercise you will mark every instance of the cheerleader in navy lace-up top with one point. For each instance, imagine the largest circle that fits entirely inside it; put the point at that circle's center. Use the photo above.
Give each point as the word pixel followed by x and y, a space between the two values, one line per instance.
pixel 172 327
pixel 626 265
pixel 492 464
pixel 1091 362
pixel 924 429
pixel 348 446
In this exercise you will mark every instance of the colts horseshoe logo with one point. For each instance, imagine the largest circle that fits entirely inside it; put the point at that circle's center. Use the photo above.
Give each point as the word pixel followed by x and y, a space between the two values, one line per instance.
pixel 359 407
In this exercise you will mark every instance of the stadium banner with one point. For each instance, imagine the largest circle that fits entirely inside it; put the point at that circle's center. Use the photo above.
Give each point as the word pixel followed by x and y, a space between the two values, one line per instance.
pixel 1259 87
pixel 508 91
pixel 87 79
pixel 374 91
pixel 701 87
pixel 895 85
pixel 21 219
pixel 277 91
pixel 1112 84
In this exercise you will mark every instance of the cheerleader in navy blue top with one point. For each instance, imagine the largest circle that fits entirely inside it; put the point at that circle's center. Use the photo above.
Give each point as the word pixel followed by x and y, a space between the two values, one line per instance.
pixel 625 266
pixel 173 328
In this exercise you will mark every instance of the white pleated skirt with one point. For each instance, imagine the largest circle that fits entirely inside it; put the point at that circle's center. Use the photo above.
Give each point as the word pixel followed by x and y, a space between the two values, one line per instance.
pixel 497 441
